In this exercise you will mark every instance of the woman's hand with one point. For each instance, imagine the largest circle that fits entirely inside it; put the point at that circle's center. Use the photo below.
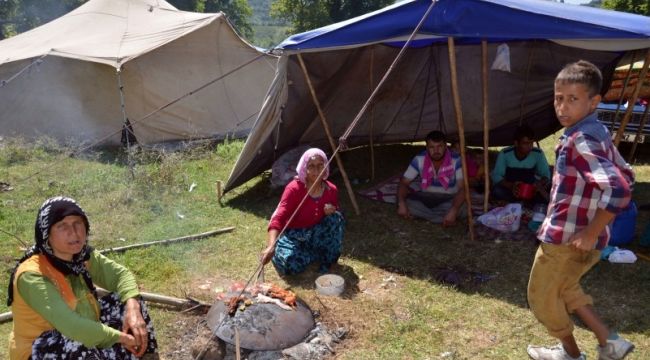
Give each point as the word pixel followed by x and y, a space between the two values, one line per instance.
pixel 329 209
pixel 135 325
pixel 267 254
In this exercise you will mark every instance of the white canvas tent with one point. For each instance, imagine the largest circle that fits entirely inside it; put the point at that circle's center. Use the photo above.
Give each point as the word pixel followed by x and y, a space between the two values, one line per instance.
pixel 63 78
pixel 346 60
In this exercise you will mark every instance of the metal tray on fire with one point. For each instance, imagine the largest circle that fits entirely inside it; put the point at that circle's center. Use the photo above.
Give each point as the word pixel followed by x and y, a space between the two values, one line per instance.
pixel 261 326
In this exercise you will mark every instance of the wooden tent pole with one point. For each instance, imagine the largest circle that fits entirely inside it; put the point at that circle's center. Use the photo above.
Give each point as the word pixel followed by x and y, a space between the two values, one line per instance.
pixel 323 120
pixel 372 115
pixel 635 95
pixel 639 131
pixel 524 93
pixel 486 124
pixel 622 96
pixel 461 130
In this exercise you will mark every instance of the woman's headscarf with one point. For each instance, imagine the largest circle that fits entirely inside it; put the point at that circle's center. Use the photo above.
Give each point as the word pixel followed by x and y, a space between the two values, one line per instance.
pixel 52 211
pixel 301 169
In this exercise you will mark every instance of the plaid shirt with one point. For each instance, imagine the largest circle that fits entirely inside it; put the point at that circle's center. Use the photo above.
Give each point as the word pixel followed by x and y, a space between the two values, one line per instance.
pixel 589 174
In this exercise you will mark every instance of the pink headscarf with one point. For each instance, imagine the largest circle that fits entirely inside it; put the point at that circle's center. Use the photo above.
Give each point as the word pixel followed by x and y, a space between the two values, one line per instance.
pixel 301 169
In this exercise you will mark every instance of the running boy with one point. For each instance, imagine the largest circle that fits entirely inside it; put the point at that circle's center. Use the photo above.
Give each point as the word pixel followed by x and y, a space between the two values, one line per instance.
pixel 591 184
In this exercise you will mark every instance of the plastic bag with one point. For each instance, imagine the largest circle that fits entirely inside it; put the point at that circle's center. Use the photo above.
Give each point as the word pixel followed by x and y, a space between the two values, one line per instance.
pixel 502 60
pixel 505 219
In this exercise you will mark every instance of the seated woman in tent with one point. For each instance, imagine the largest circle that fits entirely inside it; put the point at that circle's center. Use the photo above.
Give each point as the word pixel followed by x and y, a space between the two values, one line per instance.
pixel 308 210
pixel 56 309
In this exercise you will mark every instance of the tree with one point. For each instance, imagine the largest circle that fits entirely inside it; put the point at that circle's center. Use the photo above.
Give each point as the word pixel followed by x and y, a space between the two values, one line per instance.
pixel 641 7
pixel 21 15
pixel 238 12
pixel 310 14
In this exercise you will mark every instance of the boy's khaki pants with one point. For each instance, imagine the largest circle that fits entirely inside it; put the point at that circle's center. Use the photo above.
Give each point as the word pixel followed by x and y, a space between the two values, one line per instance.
pixel 554 286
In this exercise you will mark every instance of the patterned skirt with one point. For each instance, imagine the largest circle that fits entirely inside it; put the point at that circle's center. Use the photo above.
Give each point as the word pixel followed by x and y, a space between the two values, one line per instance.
pixel 321 243
pixel 53 345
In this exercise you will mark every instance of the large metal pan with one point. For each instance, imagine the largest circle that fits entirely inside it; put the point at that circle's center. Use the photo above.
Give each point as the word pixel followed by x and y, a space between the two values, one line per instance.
pixel 261 326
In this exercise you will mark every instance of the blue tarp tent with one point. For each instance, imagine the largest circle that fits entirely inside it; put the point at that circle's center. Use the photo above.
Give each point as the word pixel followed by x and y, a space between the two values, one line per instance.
pixel 529 41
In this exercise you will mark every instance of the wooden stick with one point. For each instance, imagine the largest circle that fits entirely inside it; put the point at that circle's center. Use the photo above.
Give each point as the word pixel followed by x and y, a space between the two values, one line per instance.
pixel 323 120
pixel 486 123
pixel 622 96
pixel 237 344
pixel 149 297
pixel 461 130
pixel 169 241
pixel 372 115
pixel 635 95
pixel 219 192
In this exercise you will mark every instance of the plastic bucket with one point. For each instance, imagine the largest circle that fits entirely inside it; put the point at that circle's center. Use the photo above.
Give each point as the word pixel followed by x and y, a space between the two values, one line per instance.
pixel 622 230
pixel 526 191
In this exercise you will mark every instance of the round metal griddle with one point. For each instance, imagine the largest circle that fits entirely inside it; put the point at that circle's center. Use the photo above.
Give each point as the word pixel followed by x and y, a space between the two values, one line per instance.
pixel 261 326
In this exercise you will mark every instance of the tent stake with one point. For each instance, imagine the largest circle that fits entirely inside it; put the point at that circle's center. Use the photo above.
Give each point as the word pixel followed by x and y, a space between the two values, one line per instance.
pixel 461 130
pixel 323 120
pixel 635 96
pixel 486 123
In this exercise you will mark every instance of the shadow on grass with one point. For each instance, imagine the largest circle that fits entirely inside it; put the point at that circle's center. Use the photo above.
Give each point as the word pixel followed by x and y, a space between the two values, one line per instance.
pixel 489 267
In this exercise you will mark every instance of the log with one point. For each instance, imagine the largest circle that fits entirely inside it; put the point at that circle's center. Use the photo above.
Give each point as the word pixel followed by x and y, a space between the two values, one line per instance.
pixel 169 241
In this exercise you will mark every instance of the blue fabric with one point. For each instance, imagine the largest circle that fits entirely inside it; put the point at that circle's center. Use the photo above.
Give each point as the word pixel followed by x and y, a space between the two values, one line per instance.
pixel 321 243
pixel 470 21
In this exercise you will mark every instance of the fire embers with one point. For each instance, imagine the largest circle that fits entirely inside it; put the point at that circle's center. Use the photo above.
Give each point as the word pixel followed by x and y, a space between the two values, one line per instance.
pixel 264 293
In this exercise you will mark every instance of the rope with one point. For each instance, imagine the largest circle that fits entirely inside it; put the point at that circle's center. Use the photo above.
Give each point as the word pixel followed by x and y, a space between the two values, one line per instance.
pixel 346 134
pixel 34 62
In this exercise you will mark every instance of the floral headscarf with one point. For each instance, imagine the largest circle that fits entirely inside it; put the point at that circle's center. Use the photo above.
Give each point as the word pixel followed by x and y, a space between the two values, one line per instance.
pixel 52 211
pixel 301 169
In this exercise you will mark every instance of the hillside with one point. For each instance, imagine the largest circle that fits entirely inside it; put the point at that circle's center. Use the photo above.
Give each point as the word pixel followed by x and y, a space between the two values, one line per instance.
pixel 268 31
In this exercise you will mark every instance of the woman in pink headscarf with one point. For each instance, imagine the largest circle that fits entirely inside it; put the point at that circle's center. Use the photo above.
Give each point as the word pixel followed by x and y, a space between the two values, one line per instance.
pixel 314 234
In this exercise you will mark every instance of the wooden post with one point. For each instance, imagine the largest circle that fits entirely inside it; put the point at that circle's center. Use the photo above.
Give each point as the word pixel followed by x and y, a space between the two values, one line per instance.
pixel 323 120
pixel 372 115
pixel 639 133
pixel 622 96
pixel 461 130
pixel 486 124
pixel 523 95
pixel 635 95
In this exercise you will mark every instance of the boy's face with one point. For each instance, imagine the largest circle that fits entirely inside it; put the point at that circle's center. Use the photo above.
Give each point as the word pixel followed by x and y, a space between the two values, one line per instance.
pixel 573 103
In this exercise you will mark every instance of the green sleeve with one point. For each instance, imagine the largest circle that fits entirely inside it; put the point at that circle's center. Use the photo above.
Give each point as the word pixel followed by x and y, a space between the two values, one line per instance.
pixel 112 276
pixel 44 298
pixel 499 171
pixel 542 166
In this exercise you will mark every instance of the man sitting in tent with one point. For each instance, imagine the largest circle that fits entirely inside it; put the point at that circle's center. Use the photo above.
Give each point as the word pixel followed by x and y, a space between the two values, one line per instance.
pixel 441 197
pixel 521 164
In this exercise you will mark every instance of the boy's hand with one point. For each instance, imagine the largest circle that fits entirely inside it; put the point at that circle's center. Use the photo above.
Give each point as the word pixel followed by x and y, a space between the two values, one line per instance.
pixel 583 241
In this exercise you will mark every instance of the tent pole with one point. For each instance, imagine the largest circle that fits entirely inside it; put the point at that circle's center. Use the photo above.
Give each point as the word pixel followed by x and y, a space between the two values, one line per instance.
pixel 372 116
pixel 323 120
pixel 523 95
pixel 635 95
pixel 486 124
pixel 622 96
pixel 639 131
pixel 461 130
pixel 126 123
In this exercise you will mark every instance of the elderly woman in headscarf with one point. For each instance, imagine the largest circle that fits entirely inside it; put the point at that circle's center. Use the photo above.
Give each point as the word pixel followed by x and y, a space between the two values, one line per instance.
pixel 56 310
pixel 308 210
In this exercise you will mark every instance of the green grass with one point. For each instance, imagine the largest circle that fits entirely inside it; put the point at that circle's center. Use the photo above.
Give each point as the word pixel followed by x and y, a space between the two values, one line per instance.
pixel 411 317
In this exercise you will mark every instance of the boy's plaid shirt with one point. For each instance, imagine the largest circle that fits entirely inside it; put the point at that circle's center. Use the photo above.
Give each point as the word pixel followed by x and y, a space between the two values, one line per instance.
pixel 589 174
